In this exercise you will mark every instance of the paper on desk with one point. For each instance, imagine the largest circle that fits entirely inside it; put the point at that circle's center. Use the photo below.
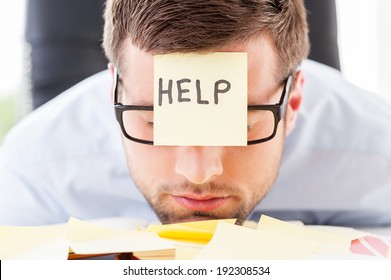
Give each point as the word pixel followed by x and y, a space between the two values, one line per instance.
pixel 86 238
pixel 184 252
pixel 240 243
pixel 41 242
pixel 200 231
pixel 322 242
pixel 188 238
pixel 362 243
pixel 347 232
pixel 371 245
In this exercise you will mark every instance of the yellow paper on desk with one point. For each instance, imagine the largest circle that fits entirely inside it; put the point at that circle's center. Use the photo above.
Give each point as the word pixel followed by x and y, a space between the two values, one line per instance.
pixel 200 231
pixel 33 242
pixel 87 238
pixel 232 242
pixel 323 242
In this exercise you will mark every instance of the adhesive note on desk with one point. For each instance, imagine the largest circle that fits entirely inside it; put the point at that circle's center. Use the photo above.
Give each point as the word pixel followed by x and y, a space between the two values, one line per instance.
pixel 240 243
pixel 41 242
pixel 347 232
pixel 200 99
pixel 371 246
pixel 87 238
pixel 200 231
pixel 323 242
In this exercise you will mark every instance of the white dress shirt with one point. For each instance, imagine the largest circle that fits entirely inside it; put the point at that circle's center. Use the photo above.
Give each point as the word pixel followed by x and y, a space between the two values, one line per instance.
pixel 66 159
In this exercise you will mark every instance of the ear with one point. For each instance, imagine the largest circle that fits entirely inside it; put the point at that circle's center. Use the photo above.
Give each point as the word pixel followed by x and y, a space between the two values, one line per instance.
pixel 294 102
pixel 111 68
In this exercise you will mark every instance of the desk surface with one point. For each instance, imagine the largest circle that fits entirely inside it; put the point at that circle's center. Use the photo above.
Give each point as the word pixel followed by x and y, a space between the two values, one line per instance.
pixel 131 223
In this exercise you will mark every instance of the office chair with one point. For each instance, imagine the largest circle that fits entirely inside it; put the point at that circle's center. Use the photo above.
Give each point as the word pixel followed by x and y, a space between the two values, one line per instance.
pixel 65 38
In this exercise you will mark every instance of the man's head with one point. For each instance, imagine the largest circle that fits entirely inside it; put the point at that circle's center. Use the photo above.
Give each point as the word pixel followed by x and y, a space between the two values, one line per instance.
pixel 190 183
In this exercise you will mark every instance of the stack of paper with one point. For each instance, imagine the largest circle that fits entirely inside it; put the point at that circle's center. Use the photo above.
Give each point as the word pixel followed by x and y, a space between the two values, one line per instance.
pixel 216 239
pixel 41 242
pixel 89 239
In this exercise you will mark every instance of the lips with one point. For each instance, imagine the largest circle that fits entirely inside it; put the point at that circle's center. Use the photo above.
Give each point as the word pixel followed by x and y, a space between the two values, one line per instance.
pixel 200 203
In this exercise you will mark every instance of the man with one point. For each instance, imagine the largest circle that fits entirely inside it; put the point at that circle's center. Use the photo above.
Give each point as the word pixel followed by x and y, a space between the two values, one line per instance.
pixel 66 158
pixel 185 183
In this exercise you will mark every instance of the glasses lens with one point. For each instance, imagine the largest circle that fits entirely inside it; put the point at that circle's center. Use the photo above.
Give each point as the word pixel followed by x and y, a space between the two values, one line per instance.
pixel 260 124
pixel 138 124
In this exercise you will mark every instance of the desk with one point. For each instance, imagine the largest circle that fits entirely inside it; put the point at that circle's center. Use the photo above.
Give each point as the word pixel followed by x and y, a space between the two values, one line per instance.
pixel 383 231
pixel 131 223
pixel 54 243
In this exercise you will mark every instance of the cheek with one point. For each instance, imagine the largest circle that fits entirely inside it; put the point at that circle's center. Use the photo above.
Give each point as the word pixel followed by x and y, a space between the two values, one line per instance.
pixel 255 164
pixel 147 161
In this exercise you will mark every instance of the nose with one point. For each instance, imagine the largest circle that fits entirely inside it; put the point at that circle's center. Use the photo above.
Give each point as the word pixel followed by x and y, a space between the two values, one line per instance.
pixel 199 164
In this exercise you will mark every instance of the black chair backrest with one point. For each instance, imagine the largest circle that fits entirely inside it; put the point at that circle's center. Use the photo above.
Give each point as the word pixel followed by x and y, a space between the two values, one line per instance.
pixel 322 20
pixel 65 39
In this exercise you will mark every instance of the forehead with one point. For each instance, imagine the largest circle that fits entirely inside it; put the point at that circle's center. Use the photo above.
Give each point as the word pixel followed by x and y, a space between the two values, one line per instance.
pixel 137 69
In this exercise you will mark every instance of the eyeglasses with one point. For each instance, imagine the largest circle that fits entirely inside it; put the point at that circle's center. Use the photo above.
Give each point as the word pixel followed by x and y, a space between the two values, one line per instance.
pixel 137 121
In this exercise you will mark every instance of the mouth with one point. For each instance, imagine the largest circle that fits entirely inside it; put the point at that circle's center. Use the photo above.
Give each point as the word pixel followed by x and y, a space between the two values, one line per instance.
pixel 200 203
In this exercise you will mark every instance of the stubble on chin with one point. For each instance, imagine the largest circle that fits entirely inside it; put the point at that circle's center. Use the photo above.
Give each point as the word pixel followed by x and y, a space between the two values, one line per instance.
pixel 156 195
pixel 167 213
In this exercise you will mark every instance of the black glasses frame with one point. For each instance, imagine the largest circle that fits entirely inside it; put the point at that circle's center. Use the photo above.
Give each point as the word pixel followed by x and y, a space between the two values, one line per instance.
pixel 277 109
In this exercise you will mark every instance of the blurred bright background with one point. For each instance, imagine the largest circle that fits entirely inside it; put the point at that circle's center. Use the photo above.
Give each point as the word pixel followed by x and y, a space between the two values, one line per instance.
pixel 13 85
pixel 364 37
pixel 364 42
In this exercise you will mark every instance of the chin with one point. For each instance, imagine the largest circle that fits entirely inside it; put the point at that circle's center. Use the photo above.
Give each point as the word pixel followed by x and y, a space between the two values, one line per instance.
pixel 193 218
pixel 196 216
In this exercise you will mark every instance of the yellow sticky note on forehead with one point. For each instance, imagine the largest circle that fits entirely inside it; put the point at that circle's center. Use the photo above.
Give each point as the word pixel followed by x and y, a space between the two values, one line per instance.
pixel 200 99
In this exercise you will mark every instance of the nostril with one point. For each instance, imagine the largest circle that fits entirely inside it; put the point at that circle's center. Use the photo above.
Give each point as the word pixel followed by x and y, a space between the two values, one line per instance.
pixel 199 164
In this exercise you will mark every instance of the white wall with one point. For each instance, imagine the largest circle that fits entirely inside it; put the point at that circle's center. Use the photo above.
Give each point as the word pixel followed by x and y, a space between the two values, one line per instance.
pixel 384 48
pixel 365 43
pixel 12 18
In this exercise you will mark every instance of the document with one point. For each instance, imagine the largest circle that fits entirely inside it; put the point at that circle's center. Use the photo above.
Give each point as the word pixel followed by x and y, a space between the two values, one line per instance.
pixel 270 238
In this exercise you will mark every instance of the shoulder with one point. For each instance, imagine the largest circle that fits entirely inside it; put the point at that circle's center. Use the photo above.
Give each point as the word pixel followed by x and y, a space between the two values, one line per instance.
pixel 78 121
pixel 338 158
pixel 340 116
pixel 65 158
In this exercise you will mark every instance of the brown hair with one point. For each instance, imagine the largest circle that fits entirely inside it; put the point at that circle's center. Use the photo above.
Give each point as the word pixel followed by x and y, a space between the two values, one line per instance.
pixel 167 26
